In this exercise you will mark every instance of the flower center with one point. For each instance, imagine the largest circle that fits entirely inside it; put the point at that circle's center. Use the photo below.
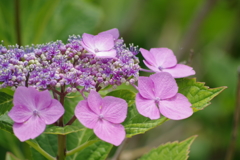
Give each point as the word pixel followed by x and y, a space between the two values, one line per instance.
pixel 157 100
pixel 35 113
pixel 96 50
pixel 100 116
pixel 160 68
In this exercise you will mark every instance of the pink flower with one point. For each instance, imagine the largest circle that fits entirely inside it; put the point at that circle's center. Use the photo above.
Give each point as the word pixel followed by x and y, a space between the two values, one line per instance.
pixel 104 116
pixel 163 60
pixel 101 45
pixel 32 111
pixel 158 95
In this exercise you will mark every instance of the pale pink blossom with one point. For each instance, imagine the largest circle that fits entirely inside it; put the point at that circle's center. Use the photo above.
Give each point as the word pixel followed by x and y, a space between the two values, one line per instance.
pixel 158 95
pixel 104 116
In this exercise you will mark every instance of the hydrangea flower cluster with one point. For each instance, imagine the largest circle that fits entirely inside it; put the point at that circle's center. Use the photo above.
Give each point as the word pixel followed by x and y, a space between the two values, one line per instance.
pixel 80 62
pixel 88 64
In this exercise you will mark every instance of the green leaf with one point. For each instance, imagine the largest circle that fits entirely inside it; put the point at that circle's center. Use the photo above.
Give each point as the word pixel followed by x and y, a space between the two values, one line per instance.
pixel 6 123
pixel 63 130
pixel 198 94
pixel 45 144
pixel 96 151
pixel 10 156
pixel 127 95
pixel 170 151
pixel 5 102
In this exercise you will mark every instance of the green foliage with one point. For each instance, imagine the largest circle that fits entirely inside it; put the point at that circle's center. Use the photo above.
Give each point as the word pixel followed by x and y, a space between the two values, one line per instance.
pixel 43 21
pixel 5 102
pixel 170 151
pixel 10 156
pixel 198 94
pixel 6 123
pixel 62 130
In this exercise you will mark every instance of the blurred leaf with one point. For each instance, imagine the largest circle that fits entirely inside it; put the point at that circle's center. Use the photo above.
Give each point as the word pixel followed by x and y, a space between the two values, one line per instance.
pixel 43 21
pixel 10 156
pixel 62 130
pixel 170 151
pixel 5 102
pixel 198 94
pixel 6 123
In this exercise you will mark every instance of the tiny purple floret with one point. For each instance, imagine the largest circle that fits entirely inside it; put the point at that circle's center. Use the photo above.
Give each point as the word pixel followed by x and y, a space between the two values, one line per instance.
pixel 104 116
pixel 101 45
pixel 32 111
pixel 163 60
pixel 158 95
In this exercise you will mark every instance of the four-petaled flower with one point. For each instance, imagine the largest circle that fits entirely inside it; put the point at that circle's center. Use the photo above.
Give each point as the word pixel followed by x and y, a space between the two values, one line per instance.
pixel 158 95
pixel 101 45
pixel 163 60
pixel 104 116
pixel 32 111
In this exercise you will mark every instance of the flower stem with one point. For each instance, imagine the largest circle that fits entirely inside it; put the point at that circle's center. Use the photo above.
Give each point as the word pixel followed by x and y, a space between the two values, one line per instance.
pixel 71 120
pixel 61 138
pixel 81 147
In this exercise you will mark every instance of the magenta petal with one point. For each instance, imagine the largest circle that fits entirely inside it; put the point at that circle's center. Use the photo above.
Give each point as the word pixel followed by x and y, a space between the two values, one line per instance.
pixel 85 115
pixel 147 107
pixel 88 41
pixel 104 42
pixel 164 57
pixel 165 85
pixel 24 96
pixel 114 109
pixel 52 113
pixel 180 71
pixel 42 99
pixel 145 87
pixel 110 132
pixel 148 57
pixel 151 67
pixel 29 129
pixel 107 54
pixel 176 108
pixel 94 101
pixel 114 32
pixel 20 114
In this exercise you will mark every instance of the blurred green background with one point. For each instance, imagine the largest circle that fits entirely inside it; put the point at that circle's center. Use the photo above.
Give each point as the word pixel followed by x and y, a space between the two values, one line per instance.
pixel 204 33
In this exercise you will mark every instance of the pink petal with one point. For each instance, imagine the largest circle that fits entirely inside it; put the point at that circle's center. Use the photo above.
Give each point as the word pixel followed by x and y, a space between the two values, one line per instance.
pixel 164 57
pixel 89 49
pixel 104 42
pixel 52 113
pixel 110 132
pixel 42 99
pixel 25 97
pixel 94 101
pixel 20 114
pixel 176 108
pixel 114 109
pixel 180 71
pixel 145 87
pixel 85 115
pixel 114 32
pixel 88 41
pixel 148 57
pixel 107 54
pixel 165 85
pixel 147 107
pixel 151 67
pixel 29 129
